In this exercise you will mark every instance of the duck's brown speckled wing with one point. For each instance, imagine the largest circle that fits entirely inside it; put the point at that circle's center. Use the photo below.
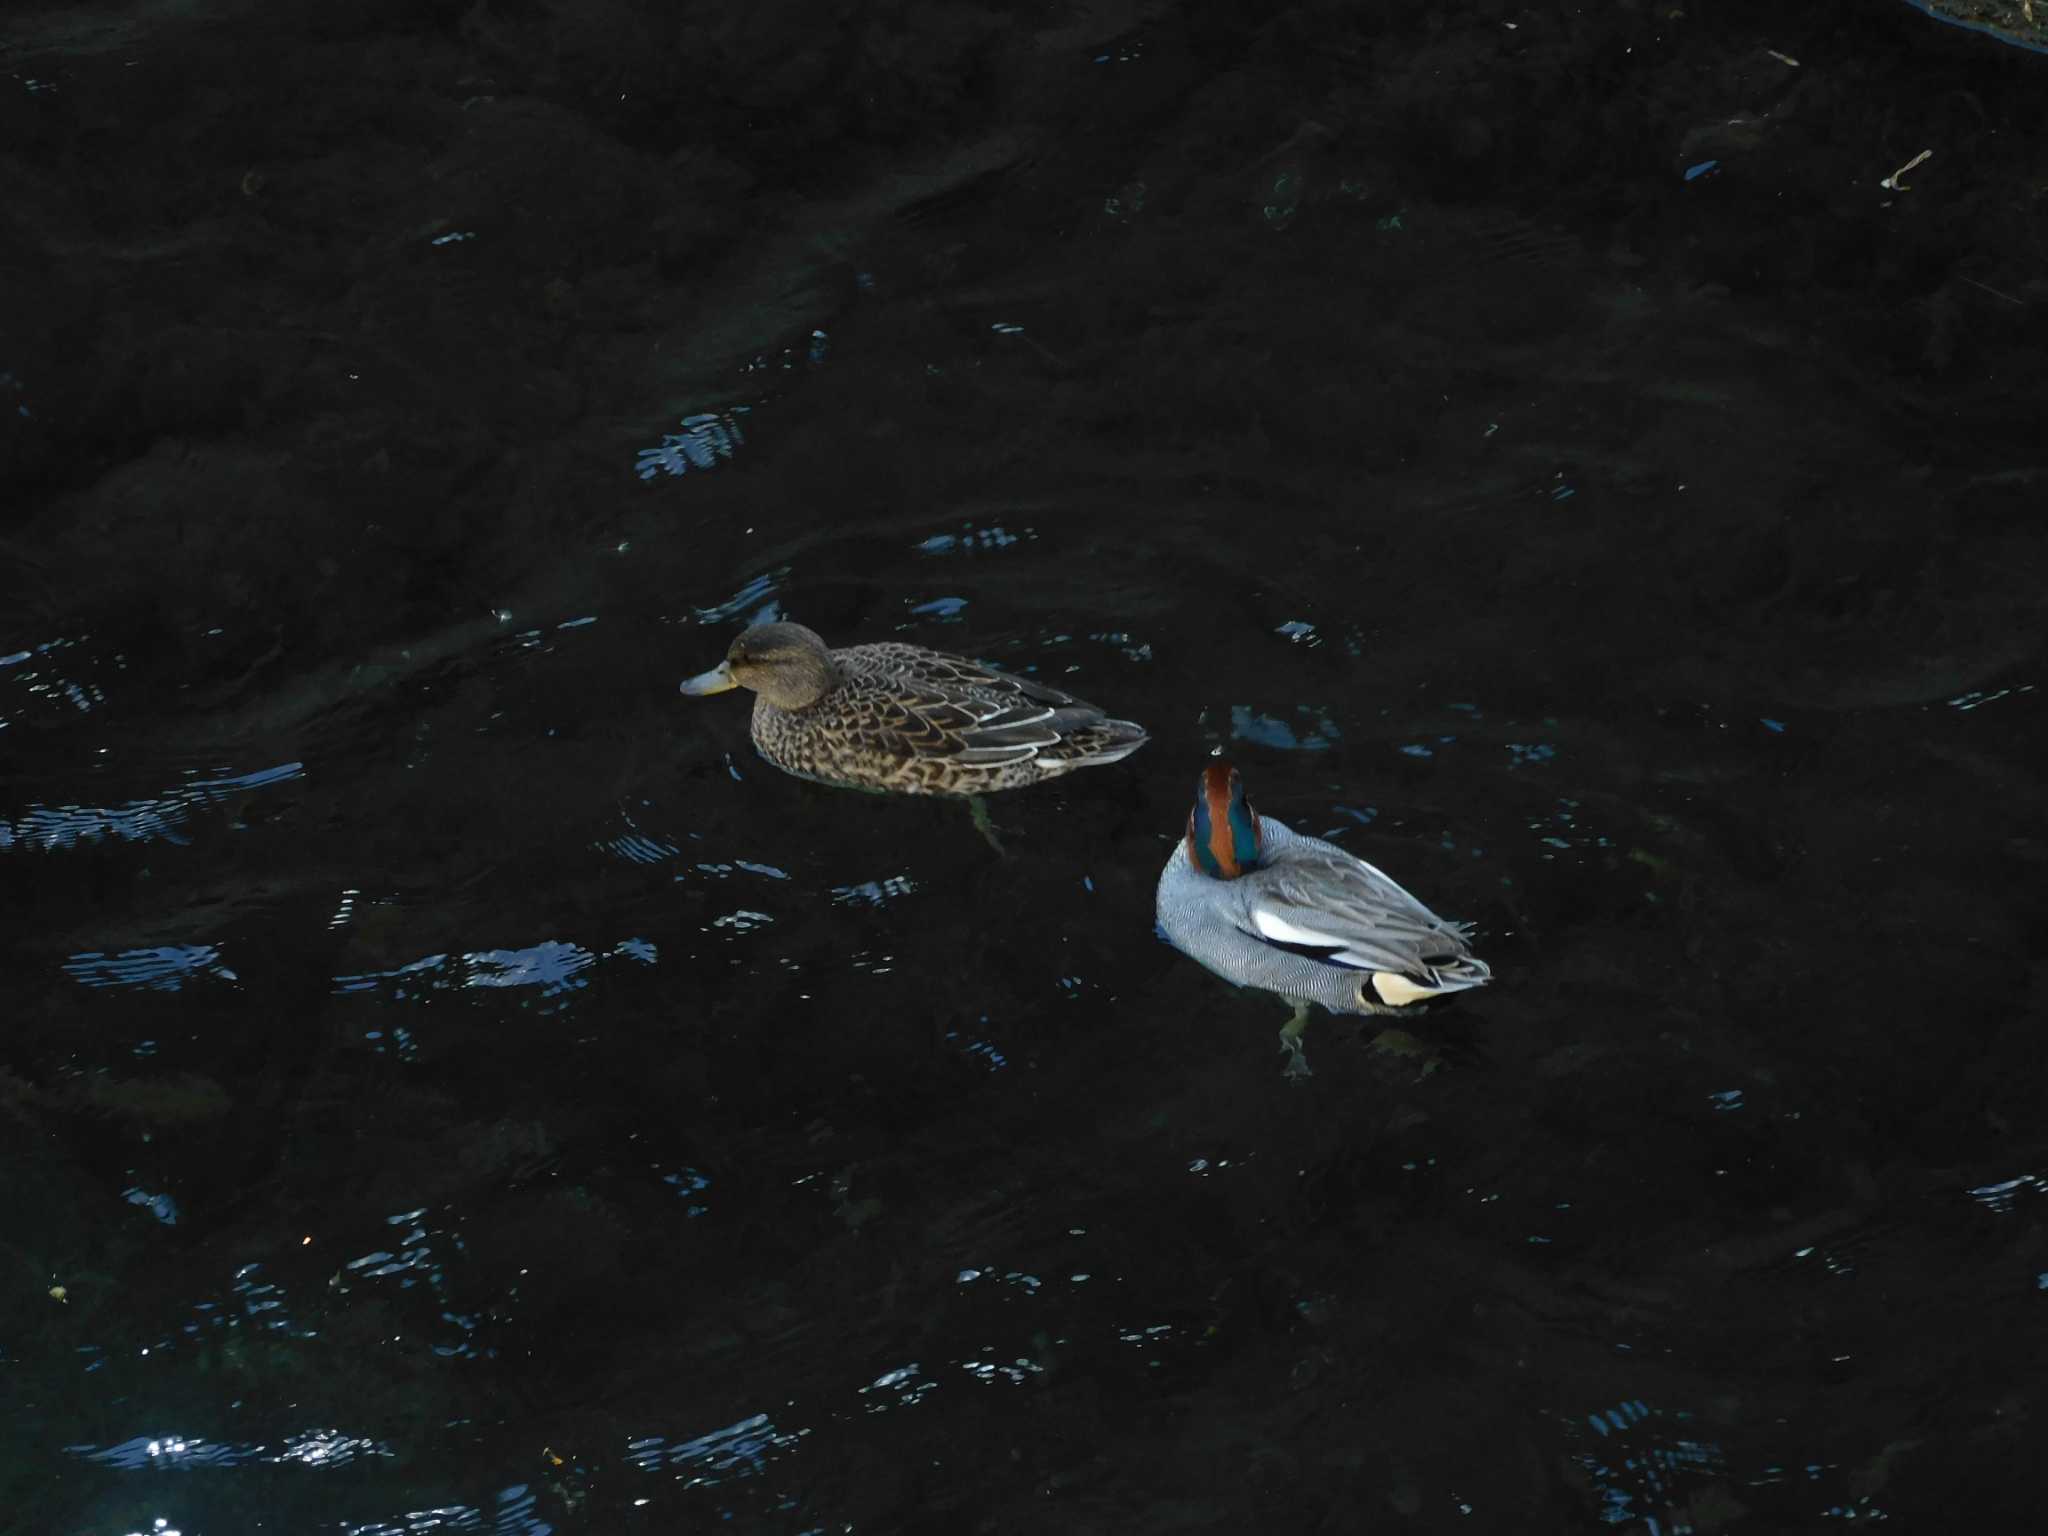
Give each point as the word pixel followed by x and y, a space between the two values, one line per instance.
pixel 951 707
pixel 910 719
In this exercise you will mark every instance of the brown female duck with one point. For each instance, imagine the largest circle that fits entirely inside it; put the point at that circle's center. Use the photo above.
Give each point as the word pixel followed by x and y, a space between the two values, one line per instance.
pixel 905 720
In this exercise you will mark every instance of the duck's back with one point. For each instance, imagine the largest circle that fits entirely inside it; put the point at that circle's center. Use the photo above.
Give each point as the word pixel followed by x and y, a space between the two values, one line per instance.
pixel 917 721
pixel 1372 920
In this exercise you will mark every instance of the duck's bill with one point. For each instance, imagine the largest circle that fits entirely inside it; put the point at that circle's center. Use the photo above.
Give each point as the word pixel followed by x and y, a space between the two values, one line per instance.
pixel 717 680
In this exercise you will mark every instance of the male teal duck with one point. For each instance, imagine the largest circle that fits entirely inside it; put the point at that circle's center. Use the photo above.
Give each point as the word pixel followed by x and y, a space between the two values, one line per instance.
pixel 1266 907
pixel 905 720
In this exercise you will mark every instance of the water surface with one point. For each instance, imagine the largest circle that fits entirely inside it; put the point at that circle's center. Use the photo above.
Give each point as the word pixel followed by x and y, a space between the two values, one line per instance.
pixel 450 1083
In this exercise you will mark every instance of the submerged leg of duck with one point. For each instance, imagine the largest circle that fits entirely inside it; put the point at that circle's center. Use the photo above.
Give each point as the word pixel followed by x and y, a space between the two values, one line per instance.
pixel 1290 1042
pixel 977 807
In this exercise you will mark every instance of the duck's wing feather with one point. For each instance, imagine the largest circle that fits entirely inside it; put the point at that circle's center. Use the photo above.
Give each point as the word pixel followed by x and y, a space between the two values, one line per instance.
pixel 1317 899
pixel 948 706
pixel 947 673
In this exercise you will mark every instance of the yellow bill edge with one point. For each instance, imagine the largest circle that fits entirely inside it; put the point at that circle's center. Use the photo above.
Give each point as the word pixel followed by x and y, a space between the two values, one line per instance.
pixel 717 680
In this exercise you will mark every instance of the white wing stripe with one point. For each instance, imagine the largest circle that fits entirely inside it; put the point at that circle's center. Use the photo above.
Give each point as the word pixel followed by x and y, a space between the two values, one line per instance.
pixel 1272 926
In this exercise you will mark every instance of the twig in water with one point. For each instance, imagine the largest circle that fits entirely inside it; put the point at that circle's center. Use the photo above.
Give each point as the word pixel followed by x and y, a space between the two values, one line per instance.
pixel 1892 183
pixel 1993 291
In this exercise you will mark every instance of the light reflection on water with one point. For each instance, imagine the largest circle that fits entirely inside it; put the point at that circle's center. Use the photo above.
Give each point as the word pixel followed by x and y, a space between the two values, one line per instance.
pixel 63 826
pixel 327 1447
pixel 982 1050
pixel 1653 1466
pixel 2001 1197
pixel 163 969
pixel 874 893
pixel 742 920
pixel 1560 829
pixel 514 1513
pixel 45 687
pixel 972 539
pixel 158 1204
pixel 743 1449
pixel 1312 731
pixel 903 1386
pixel 259 1303
pixel 1978 698
pixel 1645 1464
pixel 419 1260
pixel 720 871
pixel 702 442
pixel 748 601
pixel 552 966
pixel 637 848
pixel 996 1372
pixel 688 1184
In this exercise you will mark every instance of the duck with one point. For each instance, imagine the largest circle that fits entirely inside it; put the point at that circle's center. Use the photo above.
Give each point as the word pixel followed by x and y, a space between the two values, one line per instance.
pixel 902 719
pixel 1264 906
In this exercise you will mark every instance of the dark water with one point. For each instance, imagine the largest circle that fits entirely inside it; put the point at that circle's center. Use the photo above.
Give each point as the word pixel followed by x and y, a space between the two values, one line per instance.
pixel 448 1083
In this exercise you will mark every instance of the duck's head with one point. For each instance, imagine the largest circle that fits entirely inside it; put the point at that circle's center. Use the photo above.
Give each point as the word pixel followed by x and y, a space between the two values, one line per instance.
pixel 786 664
pixel 1223 829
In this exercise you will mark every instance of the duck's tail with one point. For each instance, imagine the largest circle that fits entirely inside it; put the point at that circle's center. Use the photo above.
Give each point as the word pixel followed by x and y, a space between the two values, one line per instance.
pixel 1437 976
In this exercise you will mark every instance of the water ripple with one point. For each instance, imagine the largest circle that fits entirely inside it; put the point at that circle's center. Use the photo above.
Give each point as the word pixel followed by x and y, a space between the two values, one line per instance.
pixel 167 1451
pixel 873 893
pixel 903 1387
pixel 418 1260
pixel 2001 1198
pixel 973 539
pixel 637 849
pixel 738 1450
pixel 551 965
pixel 1318 734
pixel 327 1448
pixel 704 442
pixel 751 599
pixel 49 686
pixel 308 1448
pixel 554 966
pixel 62 826
pixel 164 969
pixel 516 1514
pixel 1647 1466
